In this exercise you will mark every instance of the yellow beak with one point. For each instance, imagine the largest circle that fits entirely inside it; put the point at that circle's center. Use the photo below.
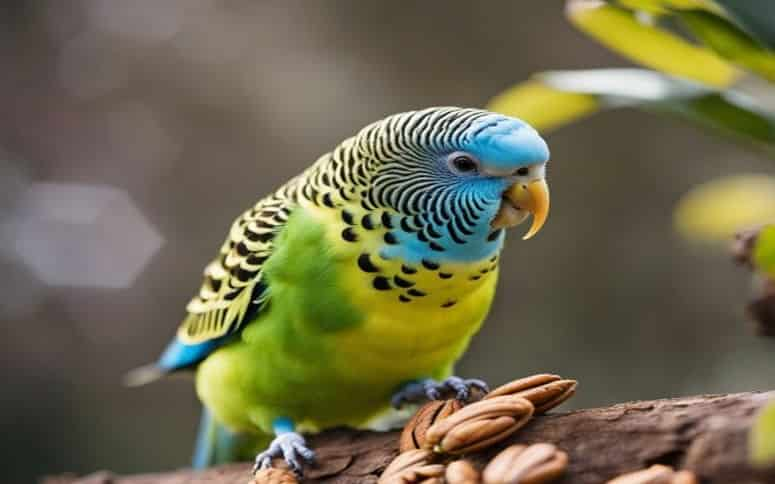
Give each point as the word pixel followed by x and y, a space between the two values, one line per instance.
pixel 532 198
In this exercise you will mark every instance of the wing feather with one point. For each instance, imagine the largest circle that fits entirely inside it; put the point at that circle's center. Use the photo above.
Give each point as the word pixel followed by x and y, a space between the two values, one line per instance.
pixel 233 286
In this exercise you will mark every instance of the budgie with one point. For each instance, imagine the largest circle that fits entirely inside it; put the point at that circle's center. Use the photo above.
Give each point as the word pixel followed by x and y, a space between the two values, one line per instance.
pixel 355 287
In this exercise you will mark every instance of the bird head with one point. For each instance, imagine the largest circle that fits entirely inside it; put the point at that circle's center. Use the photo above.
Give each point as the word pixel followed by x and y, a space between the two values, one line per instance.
pixel 509 154
pixel 467 173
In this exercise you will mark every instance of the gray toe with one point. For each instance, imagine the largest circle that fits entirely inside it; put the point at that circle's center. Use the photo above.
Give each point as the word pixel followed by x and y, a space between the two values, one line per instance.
pixel 478 384
pixel 291 447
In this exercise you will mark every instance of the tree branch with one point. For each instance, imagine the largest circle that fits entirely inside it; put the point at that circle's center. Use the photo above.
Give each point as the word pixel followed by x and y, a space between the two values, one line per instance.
pixel 706 434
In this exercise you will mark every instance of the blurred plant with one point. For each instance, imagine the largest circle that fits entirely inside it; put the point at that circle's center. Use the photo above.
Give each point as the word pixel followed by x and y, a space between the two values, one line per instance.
pixel 716 210
pixel 712 62
pixel 764 251
pixel 762 437
pixel 756 250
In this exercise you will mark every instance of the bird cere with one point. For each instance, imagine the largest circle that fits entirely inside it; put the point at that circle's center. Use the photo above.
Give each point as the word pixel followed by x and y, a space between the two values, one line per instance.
pixel 356 286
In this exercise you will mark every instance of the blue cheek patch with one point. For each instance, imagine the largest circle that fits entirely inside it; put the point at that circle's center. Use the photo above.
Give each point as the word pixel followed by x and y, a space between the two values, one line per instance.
pixel 505 143
pixel 412 251
pixel 478 246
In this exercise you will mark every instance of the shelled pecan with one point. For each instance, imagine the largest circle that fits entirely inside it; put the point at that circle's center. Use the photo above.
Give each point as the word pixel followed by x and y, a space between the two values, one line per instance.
pixel 462 472
pixel 274 476
pixel 414 466
pixel 545 391
pixel 479 425
pixel 413 435
pixel 526 464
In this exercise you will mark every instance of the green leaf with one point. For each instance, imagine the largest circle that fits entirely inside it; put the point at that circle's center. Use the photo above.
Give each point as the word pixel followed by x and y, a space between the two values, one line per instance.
pixel 756 16
pixel 665 6
pixel 617 87
pixel 714 211
pixel 730 41
pixel 555 98
pixel 762 437
pixel 622 31
pixel 764 251
pixel 543 107
pixel 731 112
pixel 653 7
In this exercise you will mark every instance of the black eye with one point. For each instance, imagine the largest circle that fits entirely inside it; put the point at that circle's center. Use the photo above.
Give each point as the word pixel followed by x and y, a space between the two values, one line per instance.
pixel 523 171
pixel 464 164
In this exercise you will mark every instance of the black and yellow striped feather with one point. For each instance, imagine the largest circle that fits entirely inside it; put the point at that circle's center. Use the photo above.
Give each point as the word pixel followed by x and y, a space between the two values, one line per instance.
pixel 356 173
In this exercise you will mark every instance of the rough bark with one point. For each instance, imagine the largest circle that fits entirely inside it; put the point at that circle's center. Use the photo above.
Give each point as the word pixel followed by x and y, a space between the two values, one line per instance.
pixel 706 434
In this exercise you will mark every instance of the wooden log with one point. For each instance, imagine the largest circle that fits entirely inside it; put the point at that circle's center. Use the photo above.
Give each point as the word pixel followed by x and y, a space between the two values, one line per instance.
pixel 706 434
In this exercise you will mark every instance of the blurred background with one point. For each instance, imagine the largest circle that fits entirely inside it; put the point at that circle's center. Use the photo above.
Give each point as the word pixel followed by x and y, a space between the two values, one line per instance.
pixel 134 132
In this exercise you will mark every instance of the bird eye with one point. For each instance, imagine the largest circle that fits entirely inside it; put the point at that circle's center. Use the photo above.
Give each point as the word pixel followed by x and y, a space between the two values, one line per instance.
pixel 464 164
pixel 523 171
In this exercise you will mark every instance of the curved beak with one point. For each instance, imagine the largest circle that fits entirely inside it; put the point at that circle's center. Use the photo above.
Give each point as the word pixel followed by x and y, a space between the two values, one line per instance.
pixel 522 199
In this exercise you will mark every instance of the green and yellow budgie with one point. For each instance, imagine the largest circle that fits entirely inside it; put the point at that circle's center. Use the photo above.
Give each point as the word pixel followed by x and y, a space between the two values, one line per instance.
pixel 358 284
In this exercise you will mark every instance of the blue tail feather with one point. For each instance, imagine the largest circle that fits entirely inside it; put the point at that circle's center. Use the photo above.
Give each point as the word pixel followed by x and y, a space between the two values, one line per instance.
pixel 179 355
pixel 214 443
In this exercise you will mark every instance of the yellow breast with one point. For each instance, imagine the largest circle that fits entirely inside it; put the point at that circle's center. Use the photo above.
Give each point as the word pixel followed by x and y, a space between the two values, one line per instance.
pixel 419 317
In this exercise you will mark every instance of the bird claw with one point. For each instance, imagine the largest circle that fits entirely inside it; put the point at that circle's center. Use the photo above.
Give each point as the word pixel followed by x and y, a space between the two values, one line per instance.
pixel 422 390
pixel 292 447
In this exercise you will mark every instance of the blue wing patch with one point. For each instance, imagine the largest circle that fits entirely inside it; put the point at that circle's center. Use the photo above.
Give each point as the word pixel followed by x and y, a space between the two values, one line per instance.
pixel 179 355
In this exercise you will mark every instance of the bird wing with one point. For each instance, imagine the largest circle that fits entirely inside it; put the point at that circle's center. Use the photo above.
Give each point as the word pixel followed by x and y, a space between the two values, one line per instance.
pixel 233 289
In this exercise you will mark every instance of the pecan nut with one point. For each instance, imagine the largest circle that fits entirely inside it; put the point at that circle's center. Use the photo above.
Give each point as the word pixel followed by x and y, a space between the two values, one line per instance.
pixel 430 473
pixel 685 477
pixel 274 476
pixel 544 391
pixel 414 466
pixel 413 435
pixel 656 474
pixel 526 464
pixel 479 425
pixel 462 472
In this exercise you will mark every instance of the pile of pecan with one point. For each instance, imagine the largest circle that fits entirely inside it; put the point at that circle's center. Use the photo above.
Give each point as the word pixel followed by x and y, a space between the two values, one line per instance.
pixel 434 442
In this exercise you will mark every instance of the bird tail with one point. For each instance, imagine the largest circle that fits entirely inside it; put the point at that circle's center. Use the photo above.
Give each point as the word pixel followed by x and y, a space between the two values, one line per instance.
pixel 144 375
pixel 215 444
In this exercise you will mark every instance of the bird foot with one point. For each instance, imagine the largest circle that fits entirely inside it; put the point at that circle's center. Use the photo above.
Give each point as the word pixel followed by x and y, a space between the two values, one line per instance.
pixel 419 391
pixel 292 447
